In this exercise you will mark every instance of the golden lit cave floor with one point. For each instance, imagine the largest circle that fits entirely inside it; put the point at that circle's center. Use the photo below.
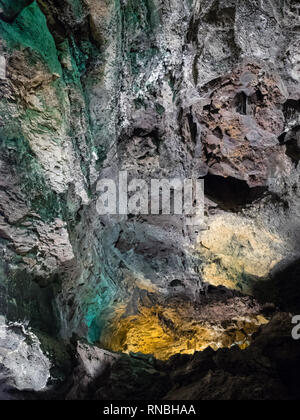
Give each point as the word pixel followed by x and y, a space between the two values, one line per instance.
pixel 182 327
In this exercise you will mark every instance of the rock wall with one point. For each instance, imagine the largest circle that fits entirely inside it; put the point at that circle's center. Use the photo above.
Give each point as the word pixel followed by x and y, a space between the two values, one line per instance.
pixel 261 372
pixel 160 89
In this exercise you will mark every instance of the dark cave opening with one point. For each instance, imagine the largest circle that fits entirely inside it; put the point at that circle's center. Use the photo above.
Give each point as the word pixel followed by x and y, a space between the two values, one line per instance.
pixel 290 108
pixel 231 194
pixel 291 140
pixel 241 103
pixel 177 283
pixel 218 133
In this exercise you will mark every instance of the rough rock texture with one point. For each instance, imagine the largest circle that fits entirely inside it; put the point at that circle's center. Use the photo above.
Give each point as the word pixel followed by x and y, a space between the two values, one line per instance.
pixel 175 326
pixel 268 370
pixel 23 364
pixel 161 89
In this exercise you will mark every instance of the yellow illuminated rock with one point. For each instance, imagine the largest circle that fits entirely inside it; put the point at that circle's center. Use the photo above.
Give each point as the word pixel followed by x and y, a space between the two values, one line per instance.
pixel 236 252
pixel 164 332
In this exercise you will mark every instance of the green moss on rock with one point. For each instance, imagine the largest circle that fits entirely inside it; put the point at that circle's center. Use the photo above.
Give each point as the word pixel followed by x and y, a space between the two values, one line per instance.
pixel 30 30
pixel 28 170
pixel 9 9
pixel 140 14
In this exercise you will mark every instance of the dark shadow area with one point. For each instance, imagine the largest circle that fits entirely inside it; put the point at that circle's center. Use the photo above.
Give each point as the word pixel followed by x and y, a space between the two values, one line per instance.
pixel 23 299
pixel 241 103
pixel 291 108
pixel 293 150
pixel 177 283
pixel 283 289
pixel 9 10
pixel 220 16
pixel 291 140
pixel 231 193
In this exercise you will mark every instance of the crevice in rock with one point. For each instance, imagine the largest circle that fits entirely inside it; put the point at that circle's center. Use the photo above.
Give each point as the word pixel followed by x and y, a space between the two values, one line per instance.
pixel 291 140
pixel 132 81
pixel 193 128
pixel 219 15
pixel 293 150
pixel 218 133
pixel 193 30
pixel 177 283
pixel 231 194
pixel 241 103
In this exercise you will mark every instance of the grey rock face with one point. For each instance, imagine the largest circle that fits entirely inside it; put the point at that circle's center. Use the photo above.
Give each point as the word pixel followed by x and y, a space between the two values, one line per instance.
pixel 93 363
pixel 23 366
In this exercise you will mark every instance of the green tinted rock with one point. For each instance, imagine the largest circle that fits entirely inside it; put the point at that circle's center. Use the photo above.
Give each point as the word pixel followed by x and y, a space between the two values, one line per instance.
pixel 30 30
